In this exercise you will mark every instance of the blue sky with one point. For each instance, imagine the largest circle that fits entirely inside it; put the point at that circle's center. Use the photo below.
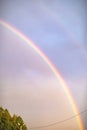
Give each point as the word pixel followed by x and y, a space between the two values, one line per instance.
pixel 58 28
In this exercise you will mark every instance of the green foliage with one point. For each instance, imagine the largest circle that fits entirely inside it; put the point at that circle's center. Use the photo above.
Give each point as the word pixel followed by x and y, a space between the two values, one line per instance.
pixel 7 122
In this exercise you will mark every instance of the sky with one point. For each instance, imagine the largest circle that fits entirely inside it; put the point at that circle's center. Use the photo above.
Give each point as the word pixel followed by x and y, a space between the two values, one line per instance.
pixel 58 28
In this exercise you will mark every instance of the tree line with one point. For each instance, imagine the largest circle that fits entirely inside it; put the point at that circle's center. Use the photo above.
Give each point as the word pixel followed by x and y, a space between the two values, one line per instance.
pixel 8 122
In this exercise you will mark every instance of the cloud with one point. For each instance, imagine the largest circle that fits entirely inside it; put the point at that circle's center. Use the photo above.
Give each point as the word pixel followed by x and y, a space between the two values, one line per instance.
pixel 17 57
pixel 38 100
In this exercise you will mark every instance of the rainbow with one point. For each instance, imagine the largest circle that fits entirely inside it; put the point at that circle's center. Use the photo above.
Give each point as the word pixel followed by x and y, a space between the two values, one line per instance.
pixel 52 67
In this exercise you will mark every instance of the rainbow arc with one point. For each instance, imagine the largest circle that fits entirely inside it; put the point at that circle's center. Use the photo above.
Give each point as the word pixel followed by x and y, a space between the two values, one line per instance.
pixel 52 67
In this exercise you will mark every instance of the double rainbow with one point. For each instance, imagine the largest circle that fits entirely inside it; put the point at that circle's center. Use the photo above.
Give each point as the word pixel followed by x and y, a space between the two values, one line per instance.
pixel 52 67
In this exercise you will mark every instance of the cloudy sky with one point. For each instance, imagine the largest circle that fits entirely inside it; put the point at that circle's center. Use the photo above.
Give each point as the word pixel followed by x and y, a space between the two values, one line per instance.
pixel 58 28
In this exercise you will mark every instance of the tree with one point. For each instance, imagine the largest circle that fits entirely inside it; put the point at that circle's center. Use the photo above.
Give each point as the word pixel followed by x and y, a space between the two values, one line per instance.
pixel 7 122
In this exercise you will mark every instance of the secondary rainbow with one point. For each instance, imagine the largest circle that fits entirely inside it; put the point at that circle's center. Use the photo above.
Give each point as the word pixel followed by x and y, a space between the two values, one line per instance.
pixel 52 67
